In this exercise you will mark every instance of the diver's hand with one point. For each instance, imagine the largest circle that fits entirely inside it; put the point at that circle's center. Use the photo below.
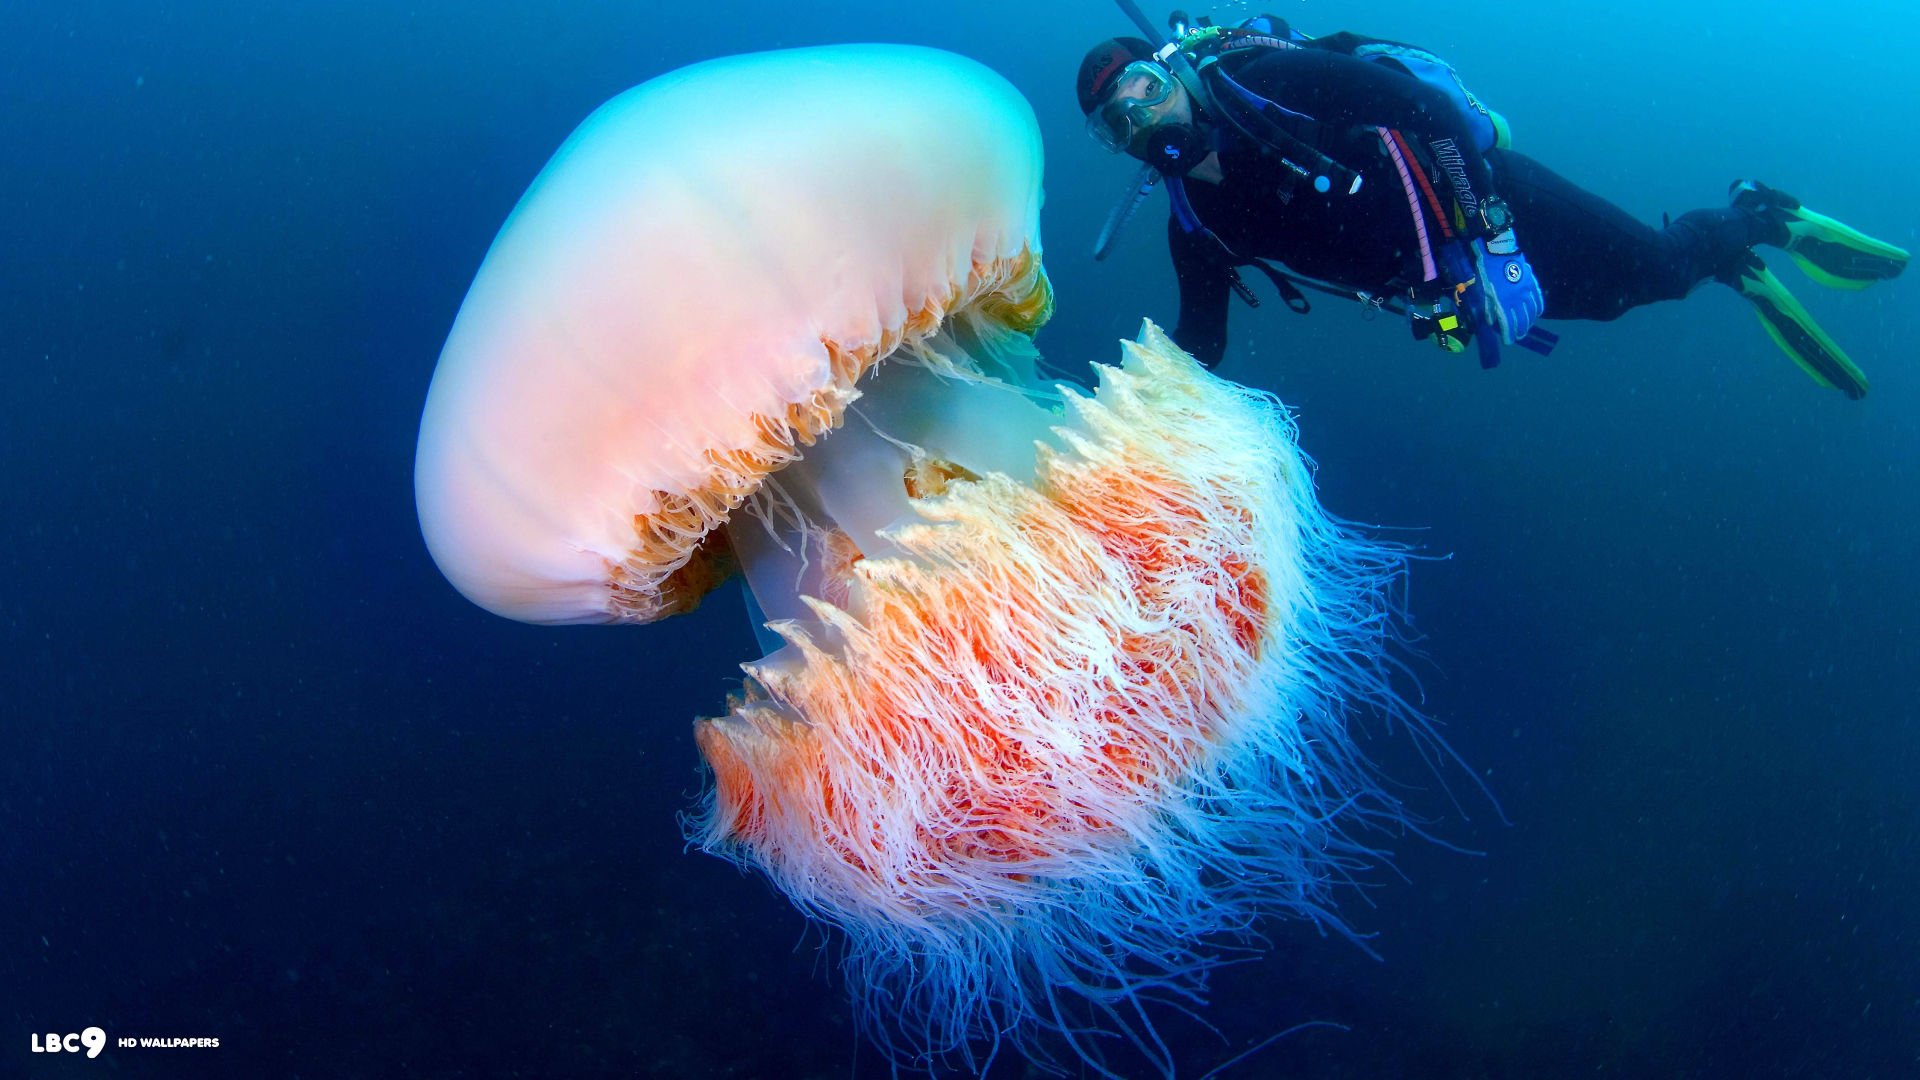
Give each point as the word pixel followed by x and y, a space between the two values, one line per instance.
pixel 1510 294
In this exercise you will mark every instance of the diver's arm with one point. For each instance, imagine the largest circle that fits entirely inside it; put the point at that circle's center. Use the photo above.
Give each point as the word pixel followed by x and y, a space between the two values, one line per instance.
pixel 1345 91
pixel 1204 289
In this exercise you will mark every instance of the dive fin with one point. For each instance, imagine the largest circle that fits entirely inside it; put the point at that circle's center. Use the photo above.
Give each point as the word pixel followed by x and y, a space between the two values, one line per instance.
pixel 1831 252
pixel 1791 328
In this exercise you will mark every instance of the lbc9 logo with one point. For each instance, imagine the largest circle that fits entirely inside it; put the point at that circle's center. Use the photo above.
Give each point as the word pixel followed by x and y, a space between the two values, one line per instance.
pixel 93 1039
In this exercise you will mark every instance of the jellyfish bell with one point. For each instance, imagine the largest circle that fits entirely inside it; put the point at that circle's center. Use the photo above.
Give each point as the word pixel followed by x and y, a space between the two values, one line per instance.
pixel 1057 679
pixel 685 298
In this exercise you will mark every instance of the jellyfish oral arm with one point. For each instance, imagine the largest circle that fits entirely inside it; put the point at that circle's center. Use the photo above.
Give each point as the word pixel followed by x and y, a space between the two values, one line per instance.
pixel 913 429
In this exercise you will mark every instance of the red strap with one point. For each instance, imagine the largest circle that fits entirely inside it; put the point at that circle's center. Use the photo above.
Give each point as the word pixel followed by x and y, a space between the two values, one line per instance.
pixel 1426 187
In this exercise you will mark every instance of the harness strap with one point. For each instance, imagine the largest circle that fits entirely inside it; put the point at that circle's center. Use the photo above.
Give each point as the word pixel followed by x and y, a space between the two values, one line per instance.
pixel 1290 294
pixel 1426 186
pixel 1429 271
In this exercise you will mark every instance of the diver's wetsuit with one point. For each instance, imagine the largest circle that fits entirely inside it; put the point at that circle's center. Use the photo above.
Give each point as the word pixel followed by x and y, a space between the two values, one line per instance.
pixel 1593 260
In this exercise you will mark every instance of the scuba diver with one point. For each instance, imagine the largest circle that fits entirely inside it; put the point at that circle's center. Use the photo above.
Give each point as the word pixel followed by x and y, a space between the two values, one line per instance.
pixel 1368 170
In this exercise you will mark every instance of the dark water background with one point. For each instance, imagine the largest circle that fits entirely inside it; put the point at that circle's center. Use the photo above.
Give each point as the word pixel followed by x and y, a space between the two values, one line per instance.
pixel 265 777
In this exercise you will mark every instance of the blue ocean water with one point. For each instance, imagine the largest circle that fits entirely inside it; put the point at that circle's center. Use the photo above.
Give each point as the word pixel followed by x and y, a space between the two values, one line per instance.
pixel 266 778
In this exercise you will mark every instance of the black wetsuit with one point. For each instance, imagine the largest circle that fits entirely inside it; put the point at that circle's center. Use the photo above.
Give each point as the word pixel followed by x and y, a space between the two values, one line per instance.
pixel 1593 260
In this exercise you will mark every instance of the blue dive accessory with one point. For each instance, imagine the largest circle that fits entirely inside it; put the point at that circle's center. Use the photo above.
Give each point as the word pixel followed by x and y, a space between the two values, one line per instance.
pixel 1469 303
pixel 1510 291
pixel 1494 298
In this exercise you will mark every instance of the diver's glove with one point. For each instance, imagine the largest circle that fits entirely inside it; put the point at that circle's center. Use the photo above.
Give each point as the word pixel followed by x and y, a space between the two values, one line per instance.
pixel 1510 295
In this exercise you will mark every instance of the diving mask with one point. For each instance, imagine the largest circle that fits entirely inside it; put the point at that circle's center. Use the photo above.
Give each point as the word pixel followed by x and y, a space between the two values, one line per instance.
pixel 1115 124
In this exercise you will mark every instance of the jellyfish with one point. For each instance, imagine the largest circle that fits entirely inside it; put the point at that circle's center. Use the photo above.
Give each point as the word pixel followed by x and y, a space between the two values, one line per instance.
pixel 1058 681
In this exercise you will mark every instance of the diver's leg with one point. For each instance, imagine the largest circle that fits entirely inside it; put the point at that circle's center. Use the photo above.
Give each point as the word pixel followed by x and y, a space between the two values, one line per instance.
pixel 1596 261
